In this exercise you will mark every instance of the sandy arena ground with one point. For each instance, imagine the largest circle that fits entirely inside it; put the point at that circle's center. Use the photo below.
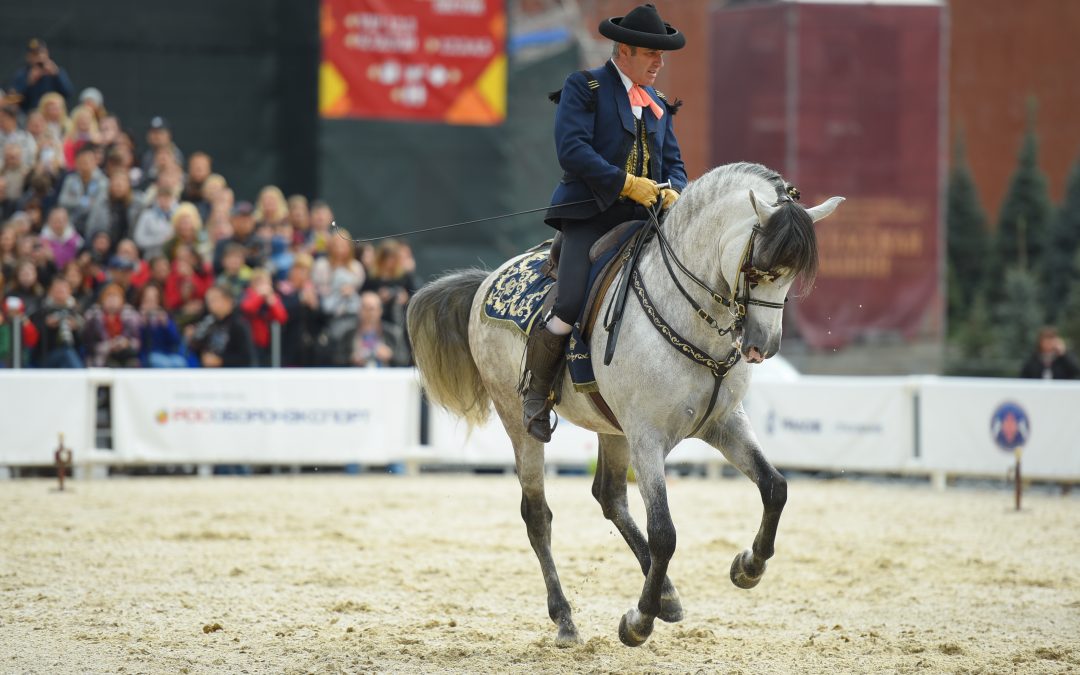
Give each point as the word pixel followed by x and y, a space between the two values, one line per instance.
pixel 435 574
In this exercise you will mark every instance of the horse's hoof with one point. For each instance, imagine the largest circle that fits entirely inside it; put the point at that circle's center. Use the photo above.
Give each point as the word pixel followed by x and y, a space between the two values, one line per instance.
pixel 671 610
pixel 630 633
pixel 568 637
pixel 740 576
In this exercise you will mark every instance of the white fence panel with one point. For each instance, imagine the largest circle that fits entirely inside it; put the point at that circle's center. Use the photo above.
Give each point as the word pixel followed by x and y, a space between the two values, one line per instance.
pixel 265 416
pixel 835 423
pixel 36 406
pixel 956 437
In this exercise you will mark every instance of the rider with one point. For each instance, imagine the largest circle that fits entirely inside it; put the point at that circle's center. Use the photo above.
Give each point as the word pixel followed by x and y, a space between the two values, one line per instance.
pixel 615 142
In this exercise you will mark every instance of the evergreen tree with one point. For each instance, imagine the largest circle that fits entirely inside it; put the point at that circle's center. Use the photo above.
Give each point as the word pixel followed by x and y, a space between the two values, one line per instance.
pixel 1070 311
pixel 968 242
pixel 1062 265
pixel 975 335
pixel 1026 212
pixel 1018 316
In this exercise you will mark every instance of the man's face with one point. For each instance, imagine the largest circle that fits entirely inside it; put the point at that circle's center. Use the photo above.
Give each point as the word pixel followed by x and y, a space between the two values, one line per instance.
pixel 119 184
pixel 370 308
pixel 121 276
pixel 199 168
pixel 60 291
pixel 219 302
pixel 232 262
pixel 243 224
pixel 157 138
pixel 299 275
pixel 127 249
pixel 639 64
pixel 7 121
pixel 85 164
pixel 37 58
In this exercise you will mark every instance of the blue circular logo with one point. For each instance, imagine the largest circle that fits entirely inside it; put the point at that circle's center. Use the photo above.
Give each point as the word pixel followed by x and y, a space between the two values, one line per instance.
pixel 1010 426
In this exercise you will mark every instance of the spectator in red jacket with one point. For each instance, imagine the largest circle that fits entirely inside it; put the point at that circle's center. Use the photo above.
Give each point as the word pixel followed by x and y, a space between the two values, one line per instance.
pixel 113 331
pixel 262 305
pixel 186 286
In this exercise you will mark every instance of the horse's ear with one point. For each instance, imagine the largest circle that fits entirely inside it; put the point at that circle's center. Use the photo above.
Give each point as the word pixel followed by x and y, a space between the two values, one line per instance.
pixel 763 210
pixel 825 208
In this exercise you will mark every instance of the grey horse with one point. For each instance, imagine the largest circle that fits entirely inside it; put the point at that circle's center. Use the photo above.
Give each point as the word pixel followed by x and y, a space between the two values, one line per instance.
pixel 659 396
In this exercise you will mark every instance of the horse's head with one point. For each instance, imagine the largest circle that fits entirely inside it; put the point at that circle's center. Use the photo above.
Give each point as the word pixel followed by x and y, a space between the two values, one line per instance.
pixel 777 246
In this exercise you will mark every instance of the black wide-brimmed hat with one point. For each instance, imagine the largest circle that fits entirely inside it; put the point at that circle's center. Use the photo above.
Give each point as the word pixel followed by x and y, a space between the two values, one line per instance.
pixel 643 27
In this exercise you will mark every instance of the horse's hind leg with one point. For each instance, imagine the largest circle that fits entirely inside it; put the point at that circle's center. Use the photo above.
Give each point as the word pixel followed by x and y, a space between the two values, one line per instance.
pixel 736 440
pixel 609 488
pixel 529 459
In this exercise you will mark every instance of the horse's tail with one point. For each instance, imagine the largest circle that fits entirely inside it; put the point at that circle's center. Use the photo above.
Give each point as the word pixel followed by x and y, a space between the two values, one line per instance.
pixel 438 321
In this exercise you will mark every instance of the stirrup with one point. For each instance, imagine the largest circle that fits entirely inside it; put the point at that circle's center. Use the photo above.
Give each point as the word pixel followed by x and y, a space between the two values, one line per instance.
pixel 549 426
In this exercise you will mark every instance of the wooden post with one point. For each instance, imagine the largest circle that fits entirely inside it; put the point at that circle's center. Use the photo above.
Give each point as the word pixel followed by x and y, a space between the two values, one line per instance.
pixel 1019 480
pixel 62 457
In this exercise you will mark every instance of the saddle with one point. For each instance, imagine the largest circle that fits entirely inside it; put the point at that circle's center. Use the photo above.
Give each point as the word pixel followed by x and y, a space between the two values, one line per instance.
pixel 610 250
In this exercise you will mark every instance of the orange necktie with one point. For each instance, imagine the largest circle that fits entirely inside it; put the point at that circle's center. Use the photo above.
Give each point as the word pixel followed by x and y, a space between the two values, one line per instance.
pixel 639 96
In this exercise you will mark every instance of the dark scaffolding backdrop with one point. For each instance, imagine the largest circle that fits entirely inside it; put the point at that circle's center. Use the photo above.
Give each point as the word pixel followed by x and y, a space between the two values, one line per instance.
pixel 236 79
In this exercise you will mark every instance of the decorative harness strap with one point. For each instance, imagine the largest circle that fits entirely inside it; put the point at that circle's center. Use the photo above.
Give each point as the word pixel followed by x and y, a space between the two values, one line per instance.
pixel 688 349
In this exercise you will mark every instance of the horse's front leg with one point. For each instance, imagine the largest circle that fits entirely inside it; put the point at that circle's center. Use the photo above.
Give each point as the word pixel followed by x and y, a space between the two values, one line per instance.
pixel 647 459
pixel 609 489
pixel 735 438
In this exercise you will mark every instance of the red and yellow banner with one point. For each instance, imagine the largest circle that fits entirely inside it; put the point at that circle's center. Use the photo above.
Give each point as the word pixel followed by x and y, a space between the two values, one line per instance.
pixel 425 60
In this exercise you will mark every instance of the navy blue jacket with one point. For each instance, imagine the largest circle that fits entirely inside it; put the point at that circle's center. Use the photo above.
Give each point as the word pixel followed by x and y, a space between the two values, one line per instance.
pixel 32 93
pixel 594 132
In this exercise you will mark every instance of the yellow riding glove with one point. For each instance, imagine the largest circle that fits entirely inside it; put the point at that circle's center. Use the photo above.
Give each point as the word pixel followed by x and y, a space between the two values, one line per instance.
pixel 668 196
pixel 641 190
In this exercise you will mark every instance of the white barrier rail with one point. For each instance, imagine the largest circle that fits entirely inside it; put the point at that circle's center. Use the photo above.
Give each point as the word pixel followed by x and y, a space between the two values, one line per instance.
pixel 921 425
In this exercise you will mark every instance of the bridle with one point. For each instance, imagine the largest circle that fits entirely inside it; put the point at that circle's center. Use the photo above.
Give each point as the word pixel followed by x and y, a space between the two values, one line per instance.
pixel 737 303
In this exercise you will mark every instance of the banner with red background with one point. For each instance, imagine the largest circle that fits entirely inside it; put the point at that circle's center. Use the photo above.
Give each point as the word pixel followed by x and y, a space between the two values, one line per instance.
pixel 846 100
pixel 423 60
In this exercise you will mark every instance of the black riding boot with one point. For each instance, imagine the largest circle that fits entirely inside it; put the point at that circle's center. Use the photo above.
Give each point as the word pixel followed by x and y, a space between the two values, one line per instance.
pixel 543 356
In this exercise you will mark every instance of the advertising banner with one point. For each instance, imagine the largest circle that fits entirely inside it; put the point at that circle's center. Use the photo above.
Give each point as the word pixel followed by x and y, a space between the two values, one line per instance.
pixel 973 426
pixel 424 60
pixel 313 416
pixel 872 132
pixel 846 99
pixel 835 423
pixel 36 407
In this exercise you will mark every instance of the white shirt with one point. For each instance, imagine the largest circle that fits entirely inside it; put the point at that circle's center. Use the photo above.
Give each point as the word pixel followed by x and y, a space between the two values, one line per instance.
pixel 627 82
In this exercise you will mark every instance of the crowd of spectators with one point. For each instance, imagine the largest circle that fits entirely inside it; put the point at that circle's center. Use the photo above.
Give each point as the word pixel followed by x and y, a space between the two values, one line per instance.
pixel 123 252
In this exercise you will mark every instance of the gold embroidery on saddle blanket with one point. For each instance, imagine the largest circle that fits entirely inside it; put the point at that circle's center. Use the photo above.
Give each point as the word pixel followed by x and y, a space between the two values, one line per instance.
pixel 518 293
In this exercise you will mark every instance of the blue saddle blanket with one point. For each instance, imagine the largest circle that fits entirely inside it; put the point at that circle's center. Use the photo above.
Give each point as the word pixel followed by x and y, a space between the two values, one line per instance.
pixel 516 297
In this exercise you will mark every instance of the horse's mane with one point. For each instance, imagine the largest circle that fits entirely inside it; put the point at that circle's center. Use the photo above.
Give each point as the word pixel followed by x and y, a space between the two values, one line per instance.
pixel 788 240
